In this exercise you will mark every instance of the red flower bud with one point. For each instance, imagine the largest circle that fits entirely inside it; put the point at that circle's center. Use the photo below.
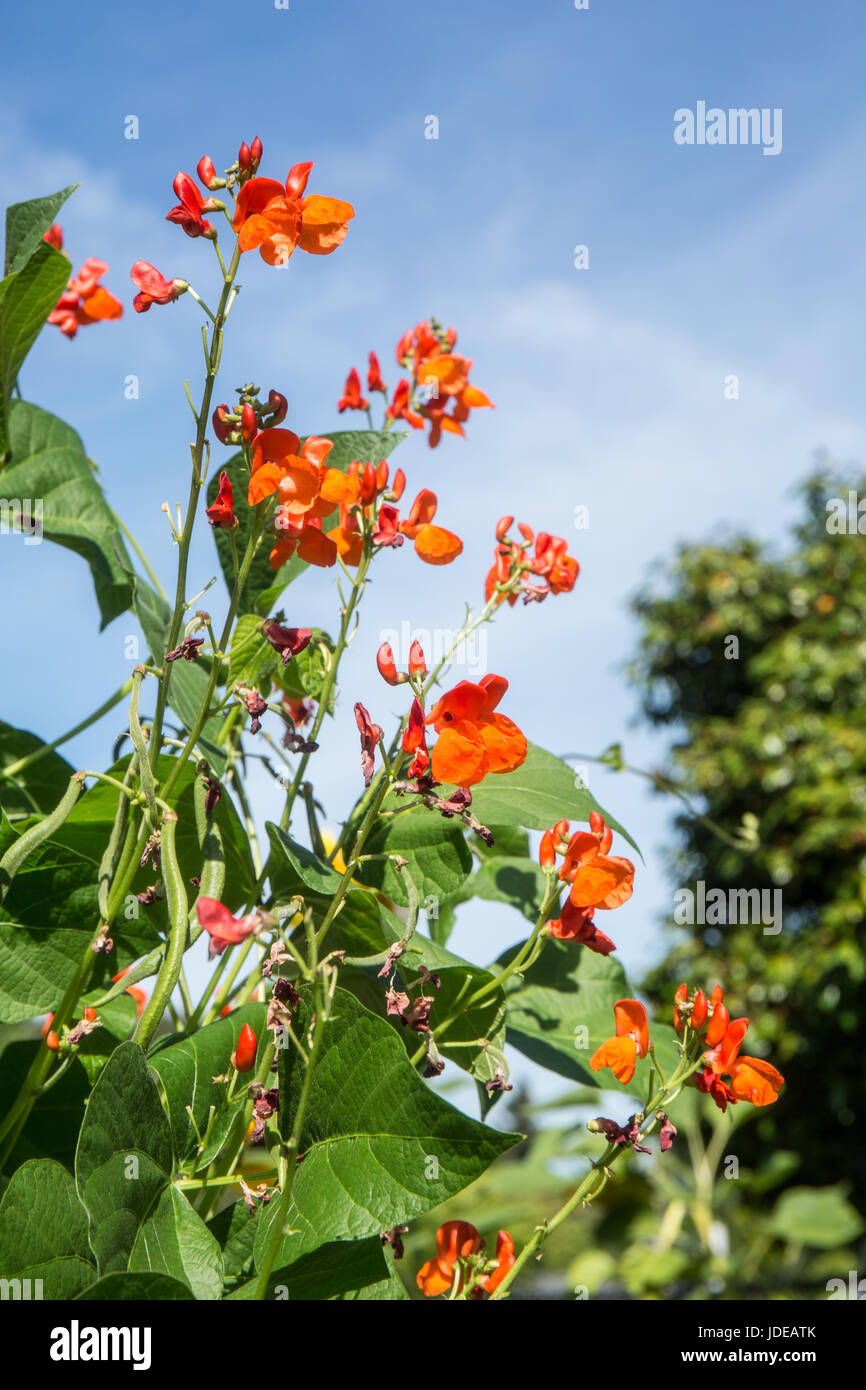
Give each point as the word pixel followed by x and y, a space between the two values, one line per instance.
pixel 417 660
pixel 525 531
pixel 699 1011
pixel 221 510
pixel 245 1055
pixel 52 1042
pixel 681 997
pixel 382 476
pixel 596 823
pixel 249 423
pixel 368 484
pixel 256 153
pixel 89 1015
pixel 546 852
pixel 207 173
pixel 718 1025
pixel 399 484
pixel 279 405
pixel 385 663
pixel 503 526
pixel 222 428
pixel 245 160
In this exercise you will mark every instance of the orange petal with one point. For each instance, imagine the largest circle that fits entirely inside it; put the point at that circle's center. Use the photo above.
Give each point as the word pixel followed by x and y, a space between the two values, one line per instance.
pixel 274 445
pixel 316 449
pixel 756 1081
pixel 324 224
pixel 99 305
pixel 459 755
pixel 337 487
pixel 505 744
pixel 350 545
pixel 601 881
pixel 281 552
pixel 254 231
pixel 254 197
pixel 299 485
pixel 263 482
pixel 631 1021
pixel 448 372
pixel 620 1054
pixel 316 548
pixel 474 398
pixel 466 701
pixel 432 1281
pixel 436 546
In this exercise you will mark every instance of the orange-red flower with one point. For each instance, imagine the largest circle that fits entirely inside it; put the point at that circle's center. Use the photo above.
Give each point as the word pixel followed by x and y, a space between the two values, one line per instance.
pixel 276 219
pixel 352 398
pixel 433 544
pixel 153 288
pixel 215 918
pixel 457 1241
pixel 597 878
pixel 751 1078
pixel 631 1041
pixel 84 300
pixel 188 212
pixel 221 511
pixel 473 739
pixel 374 375
pixel 576 924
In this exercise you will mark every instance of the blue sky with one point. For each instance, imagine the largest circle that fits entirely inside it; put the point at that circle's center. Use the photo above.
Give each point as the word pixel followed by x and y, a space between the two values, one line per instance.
pixel 555 129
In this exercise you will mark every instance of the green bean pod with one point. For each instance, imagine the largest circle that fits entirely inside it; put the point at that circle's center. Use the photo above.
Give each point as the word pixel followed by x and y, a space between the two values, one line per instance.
pixel 25 845
pixel 178 916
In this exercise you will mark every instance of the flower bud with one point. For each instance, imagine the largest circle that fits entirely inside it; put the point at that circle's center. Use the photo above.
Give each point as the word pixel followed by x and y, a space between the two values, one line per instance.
pixel 256 153
pixel 525 531
pixel 681 997
pixel 279 405
pixel 249 423
pixel 385 663
pixel 222 428
pixel 399 484
pixel 503 526
pixel 245 161
pixel 382 476
pixel 52 1042
pixel 546 852
pixel 208 175
pixel 417 660
pixel 368 484
pixel 718 1025
pixel 245 1055
pixel 699 1011
pixel 89 1015
pixel 596 823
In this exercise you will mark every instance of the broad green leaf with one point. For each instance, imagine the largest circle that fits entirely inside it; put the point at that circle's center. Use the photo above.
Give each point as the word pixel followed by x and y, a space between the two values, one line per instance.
pixel 339 1269
pixel 265 585
pixel 125 1159
pixel 379 1146
pixel 294 869
pixel 439 859
pixel 252 659
pixel 49 462
pixel 175 1241
pixel 463 1042
pixel 36 788
pixel 186 693
pixel 561 1010
pixel 818 1216
pixel 518 882
pixel 26 299
pixel 43 1230
pixel 27 223
pixel 187 1066
pixel 137 1288
pixel 234 1229
pixel 536 795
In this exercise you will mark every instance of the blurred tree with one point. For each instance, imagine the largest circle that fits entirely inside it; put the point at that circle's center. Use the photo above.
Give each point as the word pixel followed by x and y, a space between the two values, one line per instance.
pixel 772 725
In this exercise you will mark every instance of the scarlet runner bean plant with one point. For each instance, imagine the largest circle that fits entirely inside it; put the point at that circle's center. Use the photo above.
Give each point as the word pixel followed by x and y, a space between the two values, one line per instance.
pixel 276 1134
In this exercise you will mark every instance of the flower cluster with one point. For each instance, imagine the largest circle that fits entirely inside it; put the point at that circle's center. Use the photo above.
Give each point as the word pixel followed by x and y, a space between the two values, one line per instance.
pixel 517 574
pixel 749 1078
pixel 474 739
pixel 597 879
pixel 460 1261
pixel 437 392
pixel 84 300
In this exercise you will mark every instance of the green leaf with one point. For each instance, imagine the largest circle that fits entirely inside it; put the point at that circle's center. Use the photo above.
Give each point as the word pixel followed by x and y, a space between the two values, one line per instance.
pixel 234 1229
pixel 379 1146
pixel 137 1288
pixel 27 223
pixel 252 659
pixel 175 1241
pixel 463 1042
pixel 49 462
pixel 36 788
pixel 536 795
pixel 125 1159
pixel 818 1216
pixel 187 1066
pixel 518 882
pixel 43 1230
pixel 186 692
pixel 439 859
pixel 570 989
pixel 294 869
pixel 336 1270
pixel 264 585
pixel 26 299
